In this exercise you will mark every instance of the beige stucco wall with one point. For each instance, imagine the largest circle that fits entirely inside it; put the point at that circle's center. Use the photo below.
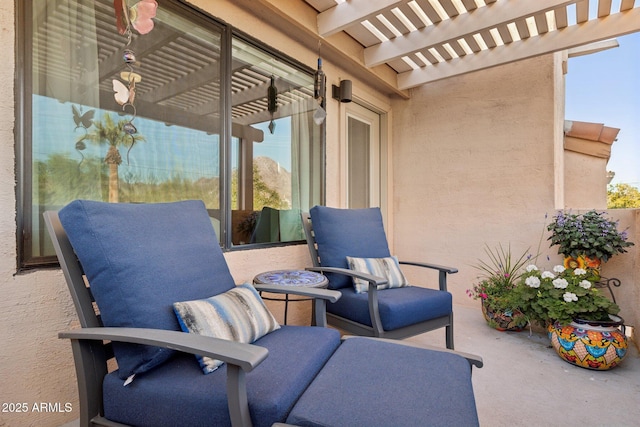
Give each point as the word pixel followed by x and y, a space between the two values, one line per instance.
pixel 479 160
pixel 474 164
pixel 585 181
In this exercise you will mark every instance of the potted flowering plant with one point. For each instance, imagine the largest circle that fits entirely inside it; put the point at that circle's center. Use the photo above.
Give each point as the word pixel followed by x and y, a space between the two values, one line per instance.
pixel 583 324
pixel 583 238
pixel 499 276
pixel 562 295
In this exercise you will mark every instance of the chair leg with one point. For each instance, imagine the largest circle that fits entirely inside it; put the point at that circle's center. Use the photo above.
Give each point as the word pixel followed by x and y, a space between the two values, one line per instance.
pixel 449 334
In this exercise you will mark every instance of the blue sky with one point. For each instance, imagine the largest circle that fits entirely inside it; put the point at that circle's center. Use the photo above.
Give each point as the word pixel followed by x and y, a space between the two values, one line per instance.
pixel 604 87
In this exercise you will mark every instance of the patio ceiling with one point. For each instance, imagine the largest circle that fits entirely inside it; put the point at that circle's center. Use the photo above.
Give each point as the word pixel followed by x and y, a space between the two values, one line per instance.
pixel 423 41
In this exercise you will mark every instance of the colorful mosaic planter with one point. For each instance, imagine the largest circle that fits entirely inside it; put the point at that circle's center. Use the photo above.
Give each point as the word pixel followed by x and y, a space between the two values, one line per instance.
pixel 504 320
pixel 593 345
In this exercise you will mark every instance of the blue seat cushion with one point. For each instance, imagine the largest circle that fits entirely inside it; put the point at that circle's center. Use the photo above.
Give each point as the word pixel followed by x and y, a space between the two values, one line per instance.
pixel 141 258
pixel 340 233
pixel 179 394
pixel 398 307
pixel 373 383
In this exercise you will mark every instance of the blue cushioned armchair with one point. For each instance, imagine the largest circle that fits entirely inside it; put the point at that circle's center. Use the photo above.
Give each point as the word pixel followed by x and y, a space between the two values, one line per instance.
pixel 140 260
pixel 335 234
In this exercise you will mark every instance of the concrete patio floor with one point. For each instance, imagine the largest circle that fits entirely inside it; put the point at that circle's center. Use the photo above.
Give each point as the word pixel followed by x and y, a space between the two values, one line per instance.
pixel 525 383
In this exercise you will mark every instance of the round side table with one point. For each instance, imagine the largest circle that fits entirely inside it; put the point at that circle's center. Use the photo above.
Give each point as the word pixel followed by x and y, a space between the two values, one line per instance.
pixel 293 278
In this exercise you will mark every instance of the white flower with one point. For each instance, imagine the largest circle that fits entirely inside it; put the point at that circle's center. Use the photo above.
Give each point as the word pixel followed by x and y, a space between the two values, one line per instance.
pixel 585 284
pixel 570 296
pixel 579 271
pixel 558 269
pixel 531 267
pixel 560 283
pixel 548 275
pixel 532 282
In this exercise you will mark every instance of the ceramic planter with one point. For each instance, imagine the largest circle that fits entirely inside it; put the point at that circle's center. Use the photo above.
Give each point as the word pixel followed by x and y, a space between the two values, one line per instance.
pixel 503 320
pixel 598 345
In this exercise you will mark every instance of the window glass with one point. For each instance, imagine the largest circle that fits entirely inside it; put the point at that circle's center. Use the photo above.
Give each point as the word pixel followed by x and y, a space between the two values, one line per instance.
pixel 272 112
pixel 166 142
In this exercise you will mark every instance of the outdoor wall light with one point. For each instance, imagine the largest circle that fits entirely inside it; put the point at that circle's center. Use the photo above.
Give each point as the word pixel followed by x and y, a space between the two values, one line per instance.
pixel 343 92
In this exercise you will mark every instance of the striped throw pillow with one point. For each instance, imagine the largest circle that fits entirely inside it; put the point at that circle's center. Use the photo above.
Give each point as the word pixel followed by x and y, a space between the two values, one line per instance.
pixel 387 268
pixel 237 315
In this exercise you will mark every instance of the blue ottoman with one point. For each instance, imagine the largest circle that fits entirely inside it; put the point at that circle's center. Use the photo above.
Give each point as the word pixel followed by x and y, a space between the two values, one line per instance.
pixel 348 389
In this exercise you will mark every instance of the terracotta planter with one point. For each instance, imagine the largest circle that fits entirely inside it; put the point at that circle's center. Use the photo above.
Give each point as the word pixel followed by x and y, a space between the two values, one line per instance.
pixel 503 320
pixel 591 344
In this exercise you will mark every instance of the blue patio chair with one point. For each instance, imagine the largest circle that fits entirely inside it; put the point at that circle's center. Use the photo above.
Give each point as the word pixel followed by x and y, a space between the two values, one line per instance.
pixel 350 246
pixel 141 275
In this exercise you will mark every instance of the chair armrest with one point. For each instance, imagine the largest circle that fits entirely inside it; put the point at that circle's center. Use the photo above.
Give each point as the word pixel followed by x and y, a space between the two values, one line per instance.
pixel 373 280
pixel 321 293
pixel 442 271
pixel 474 360
pixel 448 270
pixel 240 358
pixel 320 297
pixel 245 356
pixel 372 293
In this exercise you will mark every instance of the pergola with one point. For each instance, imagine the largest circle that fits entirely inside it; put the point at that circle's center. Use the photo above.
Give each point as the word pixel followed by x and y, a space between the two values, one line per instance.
pixel 402 44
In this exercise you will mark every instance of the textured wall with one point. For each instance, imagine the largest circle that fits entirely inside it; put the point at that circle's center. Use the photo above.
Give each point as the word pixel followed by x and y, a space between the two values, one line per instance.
pixel 34 364
pixel 474 164
pixel 585 181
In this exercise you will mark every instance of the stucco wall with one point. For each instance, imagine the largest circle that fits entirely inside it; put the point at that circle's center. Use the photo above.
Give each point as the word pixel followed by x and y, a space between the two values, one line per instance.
pixel 474 164
pixel 35 367
pixel 476 161
pixel 585 181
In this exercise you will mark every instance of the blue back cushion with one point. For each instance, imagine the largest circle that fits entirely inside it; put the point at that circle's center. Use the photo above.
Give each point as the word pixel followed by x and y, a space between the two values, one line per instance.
pixel 347 232
pixel 141 258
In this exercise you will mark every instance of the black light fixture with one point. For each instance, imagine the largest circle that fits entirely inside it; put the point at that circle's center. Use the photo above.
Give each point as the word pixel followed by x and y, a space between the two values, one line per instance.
pixel 342 93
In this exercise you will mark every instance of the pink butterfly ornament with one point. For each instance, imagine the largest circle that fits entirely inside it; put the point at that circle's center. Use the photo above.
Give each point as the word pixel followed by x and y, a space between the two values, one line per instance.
pixel 141 15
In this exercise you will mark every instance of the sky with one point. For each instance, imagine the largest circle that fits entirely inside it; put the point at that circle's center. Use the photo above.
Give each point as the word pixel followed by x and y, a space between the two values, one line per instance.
pixel 604 87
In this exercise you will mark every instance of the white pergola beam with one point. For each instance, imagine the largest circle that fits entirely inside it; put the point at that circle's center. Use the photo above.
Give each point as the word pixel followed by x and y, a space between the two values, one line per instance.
pixel 592 31
pixel 482 19
pixel 593 48
pixel 352 12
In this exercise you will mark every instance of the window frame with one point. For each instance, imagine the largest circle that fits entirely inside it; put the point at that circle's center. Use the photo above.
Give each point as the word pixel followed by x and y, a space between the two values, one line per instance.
pixel 24 138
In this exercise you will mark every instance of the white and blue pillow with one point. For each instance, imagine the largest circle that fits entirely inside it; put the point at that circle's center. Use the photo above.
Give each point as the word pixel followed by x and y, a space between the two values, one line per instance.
pixel 387 268
pixel 347 232
pixel 236 315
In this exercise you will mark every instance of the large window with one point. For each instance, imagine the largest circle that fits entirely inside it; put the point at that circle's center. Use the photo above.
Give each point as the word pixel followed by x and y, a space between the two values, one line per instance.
pixel 216 116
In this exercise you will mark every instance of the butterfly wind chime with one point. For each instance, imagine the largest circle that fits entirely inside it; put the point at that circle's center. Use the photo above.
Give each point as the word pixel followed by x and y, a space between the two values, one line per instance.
pixel 138 17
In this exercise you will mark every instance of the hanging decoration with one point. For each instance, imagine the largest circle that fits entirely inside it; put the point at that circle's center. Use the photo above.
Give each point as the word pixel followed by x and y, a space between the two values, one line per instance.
pixel 138 17
pixel 319 82
pixel 272 102
pixel 319 89
pixel 83 121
